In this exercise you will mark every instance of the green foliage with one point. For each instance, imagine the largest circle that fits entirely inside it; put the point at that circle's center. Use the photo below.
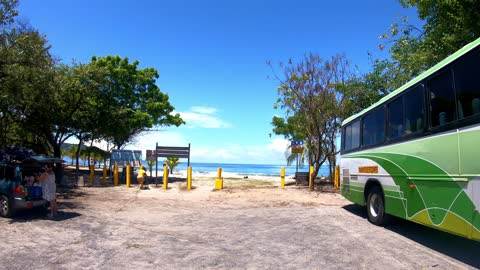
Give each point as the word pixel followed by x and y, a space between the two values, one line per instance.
pixel 130 100
pixel 151 163
pixel 172 162
pixel 449 25
pixel 8 11
pixel 42 103
pixel 313 93
pixel 25 86
pixel 70 152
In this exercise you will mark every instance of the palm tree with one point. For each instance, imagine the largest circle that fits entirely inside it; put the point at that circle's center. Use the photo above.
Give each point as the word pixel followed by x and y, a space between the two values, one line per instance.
pixel 172 162
pixel 150 163
pixel 298 158
pixel 70 152
pixel 84 156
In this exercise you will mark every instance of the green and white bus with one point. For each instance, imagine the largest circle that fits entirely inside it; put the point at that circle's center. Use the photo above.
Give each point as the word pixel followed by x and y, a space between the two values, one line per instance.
pixel 415 154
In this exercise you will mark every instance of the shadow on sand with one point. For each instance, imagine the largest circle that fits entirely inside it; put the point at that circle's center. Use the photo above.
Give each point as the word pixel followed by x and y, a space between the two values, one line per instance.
pixel 40 214
pixel 456 247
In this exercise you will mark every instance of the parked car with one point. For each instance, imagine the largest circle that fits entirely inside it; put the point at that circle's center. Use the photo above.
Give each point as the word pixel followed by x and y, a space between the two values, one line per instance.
pixel 14 194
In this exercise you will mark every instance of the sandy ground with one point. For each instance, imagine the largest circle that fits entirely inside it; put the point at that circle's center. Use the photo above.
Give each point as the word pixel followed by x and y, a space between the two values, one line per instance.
pixel 240 227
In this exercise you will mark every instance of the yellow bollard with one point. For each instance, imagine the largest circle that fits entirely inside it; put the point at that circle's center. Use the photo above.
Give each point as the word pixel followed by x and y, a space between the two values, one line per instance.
pixel 189 177
pixel 336 180
pixel 310 182
pixel 165 177
pixel 128 175
pixel 92 174
pixel 115 174
pixel 219 181
pixel 104 179
pixel 282 178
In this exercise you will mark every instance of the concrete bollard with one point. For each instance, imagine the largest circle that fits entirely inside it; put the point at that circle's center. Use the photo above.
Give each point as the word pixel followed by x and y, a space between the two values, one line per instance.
pixel 189 178
pixel 165 177
pixel 81 182
pixel 115 174
pixel 282 178
pixel 219 181
pixel 128 176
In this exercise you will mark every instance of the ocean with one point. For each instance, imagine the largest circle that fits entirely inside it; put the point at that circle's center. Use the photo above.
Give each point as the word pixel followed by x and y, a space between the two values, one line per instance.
pixel 240 169
pixel 243 169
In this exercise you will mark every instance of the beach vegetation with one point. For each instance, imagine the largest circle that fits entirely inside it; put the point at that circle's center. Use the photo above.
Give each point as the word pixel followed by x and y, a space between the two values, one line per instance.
pixel 317 94
pixel 313 95
pixel 447 26
pixel 172 162
pixel 44 102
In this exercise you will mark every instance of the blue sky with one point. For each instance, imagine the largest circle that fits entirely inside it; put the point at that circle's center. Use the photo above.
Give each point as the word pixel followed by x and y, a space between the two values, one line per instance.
pixel 211 56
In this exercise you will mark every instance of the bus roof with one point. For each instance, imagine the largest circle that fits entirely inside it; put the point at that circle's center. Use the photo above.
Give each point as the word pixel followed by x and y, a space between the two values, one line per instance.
pixel 422 76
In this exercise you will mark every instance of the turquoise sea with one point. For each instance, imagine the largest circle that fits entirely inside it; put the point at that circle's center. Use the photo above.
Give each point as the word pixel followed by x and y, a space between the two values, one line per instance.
pixel 244 169
pixel 240 169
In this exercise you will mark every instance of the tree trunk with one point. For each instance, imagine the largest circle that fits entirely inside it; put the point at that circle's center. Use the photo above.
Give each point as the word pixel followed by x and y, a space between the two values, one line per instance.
pixel 59 166
pixel 77 156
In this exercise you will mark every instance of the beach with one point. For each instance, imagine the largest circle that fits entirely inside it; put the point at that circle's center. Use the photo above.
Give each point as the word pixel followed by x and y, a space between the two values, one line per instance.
pixel 248 226
pixel 178 179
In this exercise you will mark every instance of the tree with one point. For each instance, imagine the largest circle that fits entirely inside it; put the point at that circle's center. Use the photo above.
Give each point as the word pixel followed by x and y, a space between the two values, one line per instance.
pixel 7 11
pixel 172 162
pixel 130 102
pixel 25 84
pixel 312 93
pixel 449 25
pixel 150 164
pixel 70 152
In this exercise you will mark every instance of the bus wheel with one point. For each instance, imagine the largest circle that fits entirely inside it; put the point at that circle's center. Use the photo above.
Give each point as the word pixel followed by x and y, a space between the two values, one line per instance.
pixel 376 207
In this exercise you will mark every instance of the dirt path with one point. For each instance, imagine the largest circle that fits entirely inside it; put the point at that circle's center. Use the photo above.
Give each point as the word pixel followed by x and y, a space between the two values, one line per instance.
pixel 237 228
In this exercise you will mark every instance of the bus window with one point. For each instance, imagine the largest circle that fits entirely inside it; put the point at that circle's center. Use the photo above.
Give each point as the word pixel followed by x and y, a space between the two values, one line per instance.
pixel 414 110
pixel 374 127
pixel 352 135
pixel 467 84
pixel 347 133
pixel 442 99
pixel 356 134
pixel 395 119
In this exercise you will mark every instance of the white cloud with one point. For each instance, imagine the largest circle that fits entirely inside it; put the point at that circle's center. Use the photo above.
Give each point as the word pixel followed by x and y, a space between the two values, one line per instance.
pixel 203 110
pixel 203 117
pixel 164 138
pixel 272 153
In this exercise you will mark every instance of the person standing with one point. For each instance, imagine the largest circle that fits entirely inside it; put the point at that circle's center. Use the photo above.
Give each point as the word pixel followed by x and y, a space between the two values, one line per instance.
pixel 49 189
pixel 141 176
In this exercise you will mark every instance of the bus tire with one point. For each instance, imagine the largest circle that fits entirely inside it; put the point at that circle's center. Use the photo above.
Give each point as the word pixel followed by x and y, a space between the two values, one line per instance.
pixel 376 207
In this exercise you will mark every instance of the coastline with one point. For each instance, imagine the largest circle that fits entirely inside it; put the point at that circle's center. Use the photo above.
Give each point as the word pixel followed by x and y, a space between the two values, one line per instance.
pixel 195 174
